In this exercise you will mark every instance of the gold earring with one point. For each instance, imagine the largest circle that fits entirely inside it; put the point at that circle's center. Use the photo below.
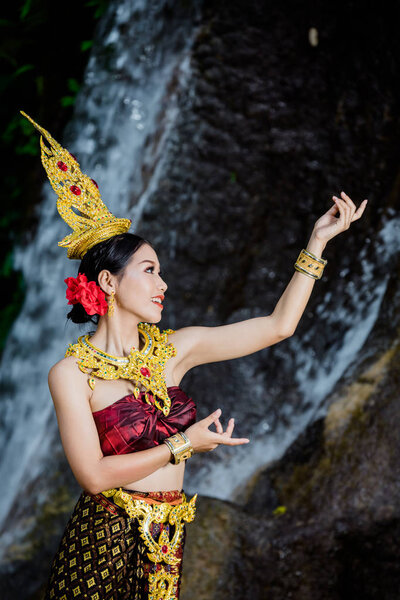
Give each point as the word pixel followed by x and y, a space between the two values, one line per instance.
pixel 110 311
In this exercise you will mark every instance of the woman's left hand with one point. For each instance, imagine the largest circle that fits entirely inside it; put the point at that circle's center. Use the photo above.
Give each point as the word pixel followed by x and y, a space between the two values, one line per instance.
pixel 328 226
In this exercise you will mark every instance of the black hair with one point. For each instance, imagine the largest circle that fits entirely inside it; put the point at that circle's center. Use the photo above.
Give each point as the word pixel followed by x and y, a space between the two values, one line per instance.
pixel 112 254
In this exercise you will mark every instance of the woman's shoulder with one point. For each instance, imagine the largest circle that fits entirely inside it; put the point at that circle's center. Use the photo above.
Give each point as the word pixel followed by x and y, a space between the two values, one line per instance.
pixel 67 364
pixel 66 372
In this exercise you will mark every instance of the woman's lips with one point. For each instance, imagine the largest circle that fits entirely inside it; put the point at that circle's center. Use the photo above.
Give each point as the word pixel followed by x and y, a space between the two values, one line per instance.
pixel 158 304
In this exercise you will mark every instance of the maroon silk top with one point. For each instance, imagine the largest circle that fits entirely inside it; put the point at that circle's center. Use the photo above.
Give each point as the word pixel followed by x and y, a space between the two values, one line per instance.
pixel 131 424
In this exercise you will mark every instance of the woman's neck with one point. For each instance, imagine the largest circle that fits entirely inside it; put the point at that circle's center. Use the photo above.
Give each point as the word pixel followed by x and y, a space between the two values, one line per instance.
pixel 115 338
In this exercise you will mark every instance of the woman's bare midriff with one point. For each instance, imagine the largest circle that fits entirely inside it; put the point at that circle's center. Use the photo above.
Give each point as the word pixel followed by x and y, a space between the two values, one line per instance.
pixel 165 479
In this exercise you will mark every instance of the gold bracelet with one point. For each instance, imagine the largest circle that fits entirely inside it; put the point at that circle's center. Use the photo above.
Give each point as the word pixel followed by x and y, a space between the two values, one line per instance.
pixel 180 447
pixel 309 264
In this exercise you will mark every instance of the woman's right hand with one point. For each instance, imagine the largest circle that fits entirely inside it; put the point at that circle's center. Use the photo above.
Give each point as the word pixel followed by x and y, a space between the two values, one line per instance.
pixel 203 440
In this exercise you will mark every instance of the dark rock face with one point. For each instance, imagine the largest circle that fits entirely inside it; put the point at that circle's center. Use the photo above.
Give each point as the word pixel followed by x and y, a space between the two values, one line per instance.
pixel 323 521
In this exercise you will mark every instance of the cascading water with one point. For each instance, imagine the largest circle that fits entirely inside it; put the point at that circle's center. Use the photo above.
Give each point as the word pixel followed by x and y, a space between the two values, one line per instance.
pixel 124 135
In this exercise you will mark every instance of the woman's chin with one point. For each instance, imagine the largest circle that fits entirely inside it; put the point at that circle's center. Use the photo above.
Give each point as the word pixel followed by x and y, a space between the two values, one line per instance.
pixel 152 317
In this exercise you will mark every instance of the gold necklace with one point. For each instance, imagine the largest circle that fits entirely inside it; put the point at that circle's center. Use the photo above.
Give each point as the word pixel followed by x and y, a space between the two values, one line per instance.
pixel 144 366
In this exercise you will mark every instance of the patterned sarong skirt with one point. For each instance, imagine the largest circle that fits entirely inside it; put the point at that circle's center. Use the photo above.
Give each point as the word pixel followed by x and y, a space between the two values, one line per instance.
pixel 121 545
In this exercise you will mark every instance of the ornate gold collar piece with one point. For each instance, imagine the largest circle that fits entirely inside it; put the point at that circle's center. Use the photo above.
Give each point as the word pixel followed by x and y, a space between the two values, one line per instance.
pixel 145 367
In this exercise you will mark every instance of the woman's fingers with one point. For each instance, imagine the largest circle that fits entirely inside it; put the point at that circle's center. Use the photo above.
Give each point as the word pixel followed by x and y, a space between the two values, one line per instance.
pixel 355 213
pixel 348 199
pixel 229 429
pixel 211 418
pixel 360 210
pixel 342 203
pixel 231 425
pixel 339 205
pixel 349 202
pixel 226 437
pixel 227 440
pixel 230 441
pixel 344 209
pixel 214 418
pixel 351 207
pixel 331 223
pixel 333 209
pixel 218 426
pixel 219 436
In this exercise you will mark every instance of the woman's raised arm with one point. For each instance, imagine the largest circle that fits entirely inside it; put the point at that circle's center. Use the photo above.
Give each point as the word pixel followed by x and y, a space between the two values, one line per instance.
pixel 199 345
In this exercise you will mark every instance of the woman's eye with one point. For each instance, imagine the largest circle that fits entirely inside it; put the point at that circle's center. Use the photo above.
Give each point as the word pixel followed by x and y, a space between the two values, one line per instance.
pixel 152 270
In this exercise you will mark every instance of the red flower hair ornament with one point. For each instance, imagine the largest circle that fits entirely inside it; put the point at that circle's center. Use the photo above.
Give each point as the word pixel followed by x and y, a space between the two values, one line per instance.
pixel 88 293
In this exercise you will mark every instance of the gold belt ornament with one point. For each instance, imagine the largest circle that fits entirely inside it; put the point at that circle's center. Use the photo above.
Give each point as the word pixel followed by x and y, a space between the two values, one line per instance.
pixel 162 582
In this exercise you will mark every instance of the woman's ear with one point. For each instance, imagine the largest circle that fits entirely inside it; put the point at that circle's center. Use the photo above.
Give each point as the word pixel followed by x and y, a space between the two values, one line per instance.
pixel 106 281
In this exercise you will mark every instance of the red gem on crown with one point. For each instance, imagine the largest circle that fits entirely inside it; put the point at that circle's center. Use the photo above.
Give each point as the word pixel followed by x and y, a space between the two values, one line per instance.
pixel 62 166
pixel 75 190
pixel 95 183
pixel 164 549
pixel 145 372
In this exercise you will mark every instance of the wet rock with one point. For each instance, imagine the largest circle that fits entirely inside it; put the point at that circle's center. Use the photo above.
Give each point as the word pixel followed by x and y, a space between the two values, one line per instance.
pixel 324 520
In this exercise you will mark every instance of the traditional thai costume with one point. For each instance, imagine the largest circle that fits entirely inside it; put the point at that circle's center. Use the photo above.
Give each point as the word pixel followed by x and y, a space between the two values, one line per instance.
pixel 122 544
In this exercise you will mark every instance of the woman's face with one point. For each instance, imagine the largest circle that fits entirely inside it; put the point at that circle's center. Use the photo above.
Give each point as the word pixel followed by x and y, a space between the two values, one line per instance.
pixel 141 286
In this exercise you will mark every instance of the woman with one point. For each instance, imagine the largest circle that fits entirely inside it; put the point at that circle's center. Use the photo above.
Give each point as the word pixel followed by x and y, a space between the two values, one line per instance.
pixel 126 426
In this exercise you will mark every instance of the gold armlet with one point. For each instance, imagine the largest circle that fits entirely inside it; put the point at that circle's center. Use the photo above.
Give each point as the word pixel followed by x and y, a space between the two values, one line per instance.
pixel 180 447
pixel 310 265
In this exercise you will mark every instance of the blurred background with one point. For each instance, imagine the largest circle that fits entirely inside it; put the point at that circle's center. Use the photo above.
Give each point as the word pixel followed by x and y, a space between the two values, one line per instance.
pixel 222 129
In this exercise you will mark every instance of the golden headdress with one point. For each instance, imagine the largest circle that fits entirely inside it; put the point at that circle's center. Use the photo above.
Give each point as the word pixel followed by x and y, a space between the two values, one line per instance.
pixel 94 223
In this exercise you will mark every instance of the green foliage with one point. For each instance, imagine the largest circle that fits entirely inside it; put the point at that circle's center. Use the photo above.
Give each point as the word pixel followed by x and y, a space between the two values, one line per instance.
pixel 22 70
pixel 20 132
pixel 6 267
pixel 25 8
pixel 99 6
pixel 73 87
pixel 86 45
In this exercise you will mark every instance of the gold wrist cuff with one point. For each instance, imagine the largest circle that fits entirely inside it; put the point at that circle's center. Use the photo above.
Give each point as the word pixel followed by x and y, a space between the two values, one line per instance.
pixel 309 264
pixel 180 447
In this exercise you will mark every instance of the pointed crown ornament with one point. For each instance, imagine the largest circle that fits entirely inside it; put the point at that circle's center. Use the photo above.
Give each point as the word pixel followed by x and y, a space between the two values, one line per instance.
pixel 93 223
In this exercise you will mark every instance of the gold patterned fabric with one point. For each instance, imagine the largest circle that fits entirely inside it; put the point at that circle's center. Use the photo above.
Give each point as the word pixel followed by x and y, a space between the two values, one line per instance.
pixel 104 553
